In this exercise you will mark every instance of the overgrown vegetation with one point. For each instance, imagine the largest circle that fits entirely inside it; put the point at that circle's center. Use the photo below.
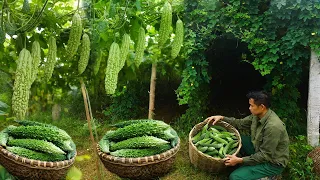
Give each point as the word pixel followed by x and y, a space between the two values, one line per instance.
pixel 278 35
pixel 300 166
pixel 130 103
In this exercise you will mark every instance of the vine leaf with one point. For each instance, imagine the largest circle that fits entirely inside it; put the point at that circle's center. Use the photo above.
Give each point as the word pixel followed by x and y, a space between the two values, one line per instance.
pixel 280 3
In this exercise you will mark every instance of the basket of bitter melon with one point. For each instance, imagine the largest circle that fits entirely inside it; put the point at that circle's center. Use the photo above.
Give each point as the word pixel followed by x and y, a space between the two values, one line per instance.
pixel 36 150
pixel 208 145
pixel 139 149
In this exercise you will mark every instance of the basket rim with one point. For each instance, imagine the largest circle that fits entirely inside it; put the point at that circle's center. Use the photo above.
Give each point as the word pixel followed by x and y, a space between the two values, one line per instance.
pixel 225 124
pixel 36 164
pixel 140 161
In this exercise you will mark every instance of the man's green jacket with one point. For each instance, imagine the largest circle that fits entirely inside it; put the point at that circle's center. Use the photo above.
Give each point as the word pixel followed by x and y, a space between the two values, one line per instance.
pixel 269 137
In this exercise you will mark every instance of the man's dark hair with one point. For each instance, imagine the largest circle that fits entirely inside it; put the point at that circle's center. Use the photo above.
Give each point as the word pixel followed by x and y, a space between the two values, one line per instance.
pixel 260 97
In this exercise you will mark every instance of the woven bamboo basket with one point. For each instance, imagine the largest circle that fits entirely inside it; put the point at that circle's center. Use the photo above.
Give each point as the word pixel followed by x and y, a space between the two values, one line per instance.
pixel 204 161
pixel 315 156
pixel 140 168
pixel 28 169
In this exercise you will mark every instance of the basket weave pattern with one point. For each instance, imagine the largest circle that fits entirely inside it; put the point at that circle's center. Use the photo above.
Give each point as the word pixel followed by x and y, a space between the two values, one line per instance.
pixel 204 161
pixel 140 168
pixel 315 156
pixel 28 169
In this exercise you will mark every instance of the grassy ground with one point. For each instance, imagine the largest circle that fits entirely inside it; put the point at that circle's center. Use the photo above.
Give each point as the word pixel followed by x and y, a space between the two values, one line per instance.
pixel 181 170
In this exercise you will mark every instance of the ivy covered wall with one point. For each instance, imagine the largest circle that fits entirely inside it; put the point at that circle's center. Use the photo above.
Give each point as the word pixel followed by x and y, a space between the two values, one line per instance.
pixel 279 35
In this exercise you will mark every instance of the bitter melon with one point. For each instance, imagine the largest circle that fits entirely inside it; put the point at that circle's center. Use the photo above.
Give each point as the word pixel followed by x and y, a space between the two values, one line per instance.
pixel 112 69
pixel 156 129
pixel 134 153
pixel 124 50
pixel 36 58
pixel 33 123
pixel 30 154
pixel 74 36
pixel 139 143
pixel 51 60
pixel 165 24
pixel 21 86
pixel 39 132
pixel 36 145
pixel 129 122
pixel 84 54
pixel 178 39
pixel 140 47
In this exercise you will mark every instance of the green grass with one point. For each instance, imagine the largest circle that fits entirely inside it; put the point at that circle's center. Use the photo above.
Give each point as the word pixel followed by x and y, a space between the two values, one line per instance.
pixel 77 129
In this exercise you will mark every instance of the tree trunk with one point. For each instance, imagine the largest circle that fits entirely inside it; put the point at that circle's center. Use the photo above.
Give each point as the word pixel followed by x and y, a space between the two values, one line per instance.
pixel 56 112
pixel 314 101
pixel 152 90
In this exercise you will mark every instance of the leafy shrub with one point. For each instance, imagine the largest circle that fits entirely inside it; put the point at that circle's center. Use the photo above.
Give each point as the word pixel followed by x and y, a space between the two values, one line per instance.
pixel 94 125
pixel 196 111
pixel 5 88
pixel 74 103
pixel 128 103
pixel 300 166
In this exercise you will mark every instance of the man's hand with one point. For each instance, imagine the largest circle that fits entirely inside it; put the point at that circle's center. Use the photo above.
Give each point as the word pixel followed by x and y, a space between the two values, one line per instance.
pixel 215 118
pixel 232 160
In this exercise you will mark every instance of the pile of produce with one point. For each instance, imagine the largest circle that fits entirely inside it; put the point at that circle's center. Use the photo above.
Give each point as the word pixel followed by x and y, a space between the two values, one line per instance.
pixel 139 138
pixel 38 141
pixel 215 141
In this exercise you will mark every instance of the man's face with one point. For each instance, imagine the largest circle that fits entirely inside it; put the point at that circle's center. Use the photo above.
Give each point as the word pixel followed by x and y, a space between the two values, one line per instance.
pixel 254 109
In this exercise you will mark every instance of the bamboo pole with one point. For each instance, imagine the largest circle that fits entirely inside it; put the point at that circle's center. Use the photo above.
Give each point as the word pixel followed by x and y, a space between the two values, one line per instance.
pixel 85 100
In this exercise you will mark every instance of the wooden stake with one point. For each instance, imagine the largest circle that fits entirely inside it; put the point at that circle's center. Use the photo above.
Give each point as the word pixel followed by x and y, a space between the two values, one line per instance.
pixel 152 90
pixel 84 94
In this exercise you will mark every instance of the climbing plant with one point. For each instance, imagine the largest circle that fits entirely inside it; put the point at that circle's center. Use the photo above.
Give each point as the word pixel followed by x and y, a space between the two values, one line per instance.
pixel 279 35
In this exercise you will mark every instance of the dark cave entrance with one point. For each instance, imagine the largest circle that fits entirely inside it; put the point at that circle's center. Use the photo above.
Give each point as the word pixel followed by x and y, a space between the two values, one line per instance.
pixel 232 77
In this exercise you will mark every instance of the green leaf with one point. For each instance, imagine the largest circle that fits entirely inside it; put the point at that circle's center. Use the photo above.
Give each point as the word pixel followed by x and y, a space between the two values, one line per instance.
pixel 134 31
pixel 2 36
pixel 74 174
pixel 279 3
pixel 2 113
pixel 26 6
pixel 3 105
pixel 112 9
pixel 4 174
pixel 138 5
